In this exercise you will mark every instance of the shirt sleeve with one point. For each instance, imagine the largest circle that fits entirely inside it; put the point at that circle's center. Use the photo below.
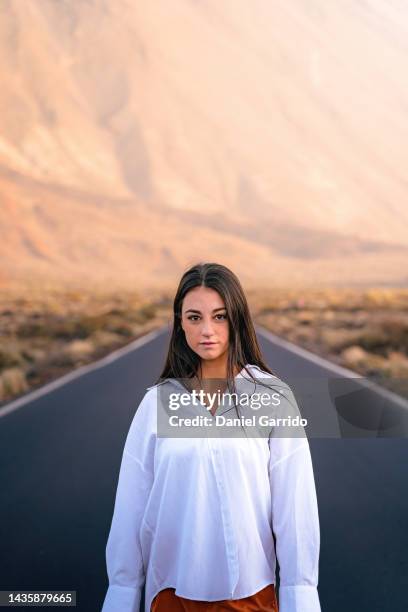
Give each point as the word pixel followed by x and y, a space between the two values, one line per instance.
pixel 295 519
pixel 124 561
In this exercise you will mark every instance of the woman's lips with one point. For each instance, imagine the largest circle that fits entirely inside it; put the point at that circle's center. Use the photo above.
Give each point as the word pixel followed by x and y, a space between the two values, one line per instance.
pixel 208 344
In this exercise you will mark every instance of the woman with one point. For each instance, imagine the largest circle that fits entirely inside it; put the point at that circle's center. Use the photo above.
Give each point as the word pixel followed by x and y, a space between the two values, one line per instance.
pixel 197 518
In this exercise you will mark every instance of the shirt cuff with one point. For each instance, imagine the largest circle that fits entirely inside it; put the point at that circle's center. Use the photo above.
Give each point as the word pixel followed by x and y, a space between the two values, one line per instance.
pixel 122 599
pixel 299 598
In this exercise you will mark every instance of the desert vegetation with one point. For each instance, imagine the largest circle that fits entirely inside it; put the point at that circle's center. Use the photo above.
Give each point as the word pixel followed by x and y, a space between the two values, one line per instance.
pixel 365 331
pixel 45 335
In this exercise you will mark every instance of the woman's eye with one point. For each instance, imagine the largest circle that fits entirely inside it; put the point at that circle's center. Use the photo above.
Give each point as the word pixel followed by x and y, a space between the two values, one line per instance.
pixel 223 316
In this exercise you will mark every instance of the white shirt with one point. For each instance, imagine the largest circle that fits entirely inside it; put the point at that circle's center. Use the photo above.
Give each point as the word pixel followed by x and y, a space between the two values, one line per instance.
pixel 197 514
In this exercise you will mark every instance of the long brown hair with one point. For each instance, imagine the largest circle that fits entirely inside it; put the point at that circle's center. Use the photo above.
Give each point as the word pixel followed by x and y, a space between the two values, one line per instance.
pixel 182 361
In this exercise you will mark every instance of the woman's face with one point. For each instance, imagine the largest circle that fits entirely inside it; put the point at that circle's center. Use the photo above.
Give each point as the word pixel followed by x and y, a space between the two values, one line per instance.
pixel 205 323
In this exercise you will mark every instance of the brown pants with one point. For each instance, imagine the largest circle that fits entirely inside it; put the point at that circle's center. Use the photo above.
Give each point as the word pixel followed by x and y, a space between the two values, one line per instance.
pixel 263 601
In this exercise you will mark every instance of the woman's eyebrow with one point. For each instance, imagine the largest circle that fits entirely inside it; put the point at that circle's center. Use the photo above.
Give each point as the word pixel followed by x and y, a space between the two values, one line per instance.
pixel 199 311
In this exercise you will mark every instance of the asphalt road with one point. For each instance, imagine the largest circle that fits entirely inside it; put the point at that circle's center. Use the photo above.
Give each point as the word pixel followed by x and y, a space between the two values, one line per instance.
pixel 60 454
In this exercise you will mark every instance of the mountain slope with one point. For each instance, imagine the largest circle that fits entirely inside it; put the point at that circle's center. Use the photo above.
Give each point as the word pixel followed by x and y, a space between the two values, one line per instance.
pixel 134 140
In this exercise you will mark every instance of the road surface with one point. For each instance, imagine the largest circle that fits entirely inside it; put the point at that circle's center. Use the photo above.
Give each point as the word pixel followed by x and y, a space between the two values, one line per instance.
pixel 60 457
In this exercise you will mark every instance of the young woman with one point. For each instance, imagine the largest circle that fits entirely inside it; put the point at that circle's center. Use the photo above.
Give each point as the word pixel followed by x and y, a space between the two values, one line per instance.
pixel 198 519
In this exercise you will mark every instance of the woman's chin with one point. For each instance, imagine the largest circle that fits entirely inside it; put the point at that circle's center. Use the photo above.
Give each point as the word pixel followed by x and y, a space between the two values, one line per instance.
pixel 209 353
